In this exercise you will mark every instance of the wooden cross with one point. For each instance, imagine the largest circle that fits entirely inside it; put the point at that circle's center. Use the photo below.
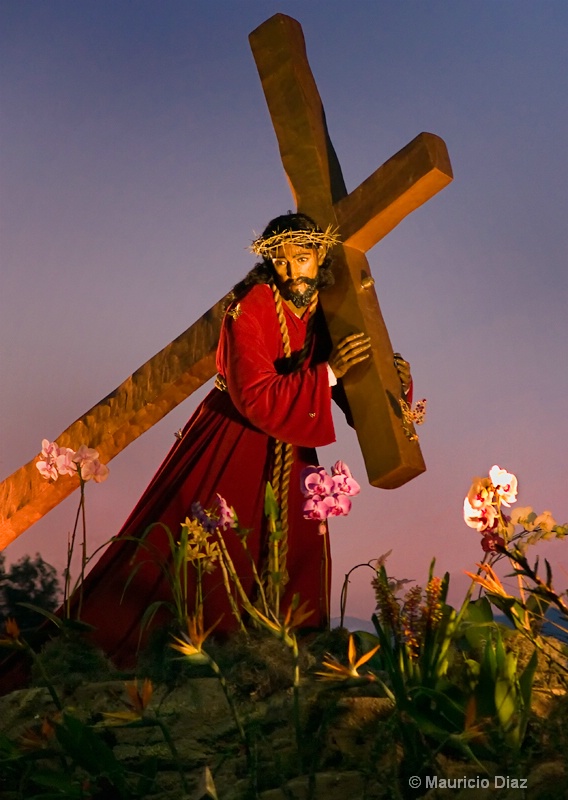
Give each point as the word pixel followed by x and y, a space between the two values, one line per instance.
pixel 364 217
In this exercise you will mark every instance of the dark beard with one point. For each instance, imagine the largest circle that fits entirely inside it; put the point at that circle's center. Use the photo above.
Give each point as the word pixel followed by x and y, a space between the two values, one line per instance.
pixel 300 299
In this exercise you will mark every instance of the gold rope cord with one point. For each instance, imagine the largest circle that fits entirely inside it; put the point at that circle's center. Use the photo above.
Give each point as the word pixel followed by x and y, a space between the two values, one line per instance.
pixel 283 451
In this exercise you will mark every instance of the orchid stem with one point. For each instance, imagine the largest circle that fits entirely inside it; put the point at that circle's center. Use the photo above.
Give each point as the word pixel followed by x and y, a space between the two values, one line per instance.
pixel 70 547
pixel 84 544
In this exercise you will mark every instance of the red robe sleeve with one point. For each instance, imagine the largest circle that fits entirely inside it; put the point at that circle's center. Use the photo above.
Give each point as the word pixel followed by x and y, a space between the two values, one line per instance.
pixel 293 407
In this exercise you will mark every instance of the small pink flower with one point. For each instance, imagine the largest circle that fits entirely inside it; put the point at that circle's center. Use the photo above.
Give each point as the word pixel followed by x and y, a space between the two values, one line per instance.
pixel 85 454
pixel 341 468
pixel 505 484
pixel 93 468
pixel 318 507
pixel 482 519
pixel 47 466
pixel 49 449
pixel 47 470
pixel 327 496
pixel 226 515
pixel 315 481
pixel 65 463
pixel 341 507
pixel 343 481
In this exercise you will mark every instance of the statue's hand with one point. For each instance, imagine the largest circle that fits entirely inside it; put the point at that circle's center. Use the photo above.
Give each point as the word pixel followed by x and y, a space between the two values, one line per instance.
pixel 350 350
pixel 403 369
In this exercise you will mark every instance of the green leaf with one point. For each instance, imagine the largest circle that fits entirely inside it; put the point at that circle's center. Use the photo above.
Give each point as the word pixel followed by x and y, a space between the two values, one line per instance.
pixel 444 587
pixel 477 634
pixel 443 711
pixel 506 703
pixel 88 750
pixel 151 612
pixel 271 507
pixel 368 640
pixel 479 611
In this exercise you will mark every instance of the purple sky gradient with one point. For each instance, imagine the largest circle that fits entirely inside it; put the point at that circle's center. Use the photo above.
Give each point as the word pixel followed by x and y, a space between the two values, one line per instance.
pixel 137 161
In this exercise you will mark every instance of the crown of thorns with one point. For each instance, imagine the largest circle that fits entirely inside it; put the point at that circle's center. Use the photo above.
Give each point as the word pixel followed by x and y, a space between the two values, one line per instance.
pixel 266 245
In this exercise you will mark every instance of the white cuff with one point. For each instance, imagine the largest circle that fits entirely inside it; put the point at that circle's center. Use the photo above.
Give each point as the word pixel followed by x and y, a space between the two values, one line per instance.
pixel 332 380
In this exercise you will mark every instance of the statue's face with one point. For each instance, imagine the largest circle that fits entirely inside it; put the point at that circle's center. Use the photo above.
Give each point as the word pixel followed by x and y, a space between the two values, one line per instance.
pixel 296 267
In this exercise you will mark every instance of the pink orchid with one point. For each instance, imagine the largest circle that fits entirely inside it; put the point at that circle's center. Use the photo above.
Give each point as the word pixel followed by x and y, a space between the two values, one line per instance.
pixel 341 507
pixel 341 468
pixel 482 519
pixel 328 496
pixel 226 515
pixel 49 450
pixel 47 470
pixel 85 454
pixel 343 480
pixel 318 507
pixel 505 484
pixel 65 461
pixel 316 481
pixel 344 484
pixel 93 468
pixel 46 466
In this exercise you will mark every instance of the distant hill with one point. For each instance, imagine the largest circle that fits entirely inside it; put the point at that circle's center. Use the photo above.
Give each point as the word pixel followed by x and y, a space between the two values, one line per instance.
pixel 555 619
pixel 354 624
pixel 550 627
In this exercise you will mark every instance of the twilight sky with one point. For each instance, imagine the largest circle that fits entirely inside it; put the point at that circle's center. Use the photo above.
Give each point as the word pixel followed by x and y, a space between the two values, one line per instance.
pixel 137 160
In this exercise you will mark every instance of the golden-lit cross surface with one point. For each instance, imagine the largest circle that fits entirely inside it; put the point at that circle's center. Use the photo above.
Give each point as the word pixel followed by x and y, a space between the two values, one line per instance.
pixel 363 217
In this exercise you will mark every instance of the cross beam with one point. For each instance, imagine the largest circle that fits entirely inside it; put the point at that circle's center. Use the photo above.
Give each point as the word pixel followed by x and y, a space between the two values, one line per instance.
pixel 364 216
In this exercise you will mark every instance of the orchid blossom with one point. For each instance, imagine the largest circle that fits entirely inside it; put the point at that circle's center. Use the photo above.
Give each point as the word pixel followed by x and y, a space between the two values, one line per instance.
pixel 47 465
pixel 482 519
pixel 343 481
pixel 316 481
pixel 505 484
pixel 327 495
pixel 55 461
pixel 84 462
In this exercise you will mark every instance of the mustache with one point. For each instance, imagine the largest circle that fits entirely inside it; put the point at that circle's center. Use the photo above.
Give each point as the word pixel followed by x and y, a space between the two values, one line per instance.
pixel 311 282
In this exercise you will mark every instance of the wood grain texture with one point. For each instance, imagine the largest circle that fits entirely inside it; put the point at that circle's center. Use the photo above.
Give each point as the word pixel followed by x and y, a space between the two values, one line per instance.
pixel 363 217
pixel 121 417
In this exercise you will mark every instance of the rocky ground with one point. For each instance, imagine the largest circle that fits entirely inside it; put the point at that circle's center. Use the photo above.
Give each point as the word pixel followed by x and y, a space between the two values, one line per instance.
pixel 187 732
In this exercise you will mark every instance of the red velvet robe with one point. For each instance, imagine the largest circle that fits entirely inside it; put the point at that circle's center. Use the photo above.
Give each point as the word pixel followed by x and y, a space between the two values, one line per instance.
pixel 226 447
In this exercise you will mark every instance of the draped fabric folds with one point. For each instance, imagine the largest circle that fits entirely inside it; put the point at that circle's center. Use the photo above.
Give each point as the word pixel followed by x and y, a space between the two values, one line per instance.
pixel 226 448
